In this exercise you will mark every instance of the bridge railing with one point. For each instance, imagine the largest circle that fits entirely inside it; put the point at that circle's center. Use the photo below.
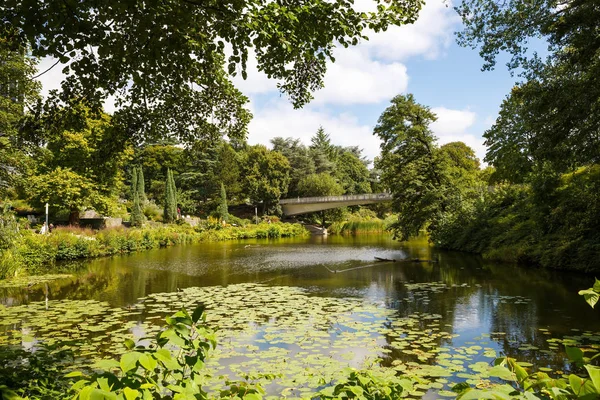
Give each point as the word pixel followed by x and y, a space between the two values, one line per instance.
pixel 332 199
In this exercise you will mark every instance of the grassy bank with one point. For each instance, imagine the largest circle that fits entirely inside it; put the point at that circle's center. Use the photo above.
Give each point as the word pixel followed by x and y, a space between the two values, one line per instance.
pixel 551 222
pixel 356 225
pixel 32 253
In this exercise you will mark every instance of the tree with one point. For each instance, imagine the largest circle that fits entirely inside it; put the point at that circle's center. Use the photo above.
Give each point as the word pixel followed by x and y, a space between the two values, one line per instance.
pixel 140 185
pixel 170 211
pixel 323 152
pixel 551 117
pixel 130 51
pixel 412 165
pixel 134 184
pixel 266 176
pixel 222 210
pixel 299 157
pixel 137 216
pixel 155 159
pixel 316 185
pixel 18 93
pixel 352 173
pixel 63 188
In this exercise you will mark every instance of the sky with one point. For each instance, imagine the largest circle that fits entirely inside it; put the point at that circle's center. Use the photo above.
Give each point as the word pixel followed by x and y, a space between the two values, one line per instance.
pixel 422 59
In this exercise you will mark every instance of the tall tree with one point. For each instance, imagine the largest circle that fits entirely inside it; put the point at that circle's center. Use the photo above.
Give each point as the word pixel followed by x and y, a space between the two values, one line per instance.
pixel 222 210
pixel 130 50
pixel 552 117
pixel 412 165
pixel 323 152
pixel 18 93
pixel 134 181
pixel 170 210
pixel 140 185
pixel 266 176
pixel 90 148
pixel 300 159
pixel 137 216
pixel 352 172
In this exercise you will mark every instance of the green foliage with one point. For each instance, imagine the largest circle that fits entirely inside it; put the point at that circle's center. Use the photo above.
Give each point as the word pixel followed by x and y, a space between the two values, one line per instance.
pixel 35 375
pixel 266 176
pixel 550 222
pixel 316 185
pixel 170 210
pixel 222 210
pixel 551 116
pixel 63 188
pixel 155 371
pixel 140 185
pixel 362 222
pixel 427 182
pixel 33 253
pixel 163 100
pixel 137 216
pixel 352 173
pixel 372 384
pixel 18 92
pixel 300 158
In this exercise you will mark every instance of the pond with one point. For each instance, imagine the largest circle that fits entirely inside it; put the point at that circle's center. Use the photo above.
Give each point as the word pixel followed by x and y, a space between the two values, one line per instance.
pixel 305 308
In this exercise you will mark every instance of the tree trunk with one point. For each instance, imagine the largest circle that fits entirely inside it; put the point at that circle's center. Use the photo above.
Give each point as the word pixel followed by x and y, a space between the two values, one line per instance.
pixel 74 218
pixel 323 218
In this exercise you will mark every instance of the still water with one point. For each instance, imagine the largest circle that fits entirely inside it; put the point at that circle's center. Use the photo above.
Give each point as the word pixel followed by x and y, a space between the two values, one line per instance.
pixel 456 313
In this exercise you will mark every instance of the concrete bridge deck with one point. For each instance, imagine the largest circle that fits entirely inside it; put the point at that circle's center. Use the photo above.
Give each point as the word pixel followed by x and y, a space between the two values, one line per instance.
pixel 304 205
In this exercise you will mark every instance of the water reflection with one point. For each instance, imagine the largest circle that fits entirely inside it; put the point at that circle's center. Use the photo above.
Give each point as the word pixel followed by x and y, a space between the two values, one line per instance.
pixel 499 304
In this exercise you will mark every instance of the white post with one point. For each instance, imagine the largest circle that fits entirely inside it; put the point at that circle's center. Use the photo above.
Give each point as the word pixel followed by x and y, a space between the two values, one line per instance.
pixel 47 226
pixel 256 214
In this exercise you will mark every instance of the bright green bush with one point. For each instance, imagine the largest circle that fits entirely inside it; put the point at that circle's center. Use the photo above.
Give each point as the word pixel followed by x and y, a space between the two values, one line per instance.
pixel 551 222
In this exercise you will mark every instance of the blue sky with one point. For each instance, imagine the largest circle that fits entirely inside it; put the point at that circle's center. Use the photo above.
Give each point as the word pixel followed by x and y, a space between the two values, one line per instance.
pixel 422 59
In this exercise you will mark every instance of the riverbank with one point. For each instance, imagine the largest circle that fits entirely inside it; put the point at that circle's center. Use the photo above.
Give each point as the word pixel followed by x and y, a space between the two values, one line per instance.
pixel 33 253
pixel 550 222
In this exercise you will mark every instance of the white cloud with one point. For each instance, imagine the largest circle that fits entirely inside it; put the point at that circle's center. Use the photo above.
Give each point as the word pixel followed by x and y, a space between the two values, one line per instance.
pixel 453 126
pixel 356 79
pixel 429 36
pixel 280 119
pixel 371 72
pixel 452 122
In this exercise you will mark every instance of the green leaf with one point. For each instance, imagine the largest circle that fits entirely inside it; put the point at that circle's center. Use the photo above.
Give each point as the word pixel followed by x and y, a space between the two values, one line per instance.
pixel 596 286
pixel 129 361
pixel 73 374
pixel 575 354
pixel 590 296
pixel 130 394
pixel 594 375
pixel 197 314
pixel 502 372
pixel 148 362
pixel 129 344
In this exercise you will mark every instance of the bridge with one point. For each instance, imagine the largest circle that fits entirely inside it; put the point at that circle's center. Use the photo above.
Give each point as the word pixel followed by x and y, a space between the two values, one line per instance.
pixel 305 205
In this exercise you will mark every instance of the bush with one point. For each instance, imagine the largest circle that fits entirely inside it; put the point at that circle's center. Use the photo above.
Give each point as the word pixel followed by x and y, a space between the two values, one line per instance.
pixel 553 226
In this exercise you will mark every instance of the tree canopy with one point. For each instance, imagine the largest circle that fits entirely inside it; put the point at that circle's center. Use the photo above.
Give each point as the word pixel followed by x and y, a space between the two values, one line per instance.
pixel 169 62
pixel 552 117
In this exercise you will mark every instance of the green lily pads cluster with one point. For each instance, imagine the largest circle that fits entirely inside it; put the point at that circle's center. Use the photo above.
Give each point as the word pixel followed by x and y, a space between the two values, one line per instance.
pixel 304 340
